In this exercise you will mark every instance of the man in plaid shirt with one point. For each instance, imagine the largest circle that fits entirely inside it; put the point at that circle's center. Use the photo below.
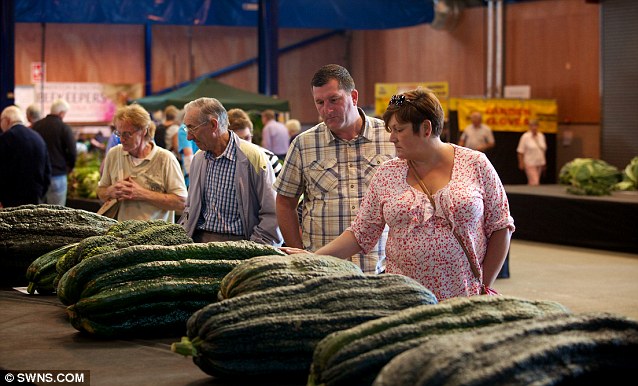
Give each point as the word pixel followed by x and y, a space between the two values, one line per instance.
pixel 331 165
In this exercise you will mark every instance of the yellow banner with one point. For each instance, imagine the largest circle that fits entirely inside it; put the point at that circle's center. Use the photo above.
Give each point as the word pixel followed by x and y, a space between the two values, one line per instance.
pixel 384 91
pixel 509 114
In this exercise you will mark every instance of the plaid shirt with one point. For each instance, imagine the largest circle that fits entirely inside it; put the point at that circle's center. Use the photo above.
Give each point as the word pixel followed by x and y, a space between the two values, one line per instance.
pixel 220 211
pixel 333 175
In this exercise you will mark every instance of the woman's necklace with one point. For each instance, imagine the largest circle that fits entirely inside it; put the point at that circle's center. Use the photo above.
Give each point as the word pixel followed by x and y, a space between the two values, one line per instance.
pixel 425 189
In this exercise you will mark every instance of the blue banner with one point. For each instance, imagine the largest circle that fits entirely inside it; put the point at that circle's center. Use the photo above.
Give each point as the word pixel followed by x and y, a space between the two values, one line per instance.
pixel 330 14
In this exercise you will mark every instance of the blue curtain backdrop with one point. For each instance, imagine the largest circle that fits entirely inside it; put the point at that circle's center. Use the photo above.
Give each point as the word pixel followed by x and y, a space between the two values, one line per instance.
pixel 333 14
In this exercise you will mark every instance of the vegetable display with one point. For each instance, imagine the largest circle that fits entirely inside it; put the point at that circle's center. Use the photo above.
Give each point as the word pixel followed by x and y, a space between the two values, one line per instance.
pixel 83 180
pixel 149 290
pixel 356 355
pixel 30 231
pixel 585 349
pixel 273 333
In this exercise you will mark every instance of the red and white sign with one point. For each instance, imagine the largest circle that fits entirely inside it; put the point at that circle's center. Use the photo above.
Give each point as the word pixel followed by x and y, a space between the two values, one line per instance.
pixel 38 73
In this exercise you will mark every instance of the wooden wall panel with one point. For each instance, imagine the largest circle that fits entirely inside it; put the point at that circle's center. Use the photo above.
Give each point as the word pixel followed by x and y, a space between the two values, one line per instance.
pixel 216 48
pixel 183 53
pixel 551 45
pixel 81 52
pixel 296 68
pixel 554 46
pixel 424 54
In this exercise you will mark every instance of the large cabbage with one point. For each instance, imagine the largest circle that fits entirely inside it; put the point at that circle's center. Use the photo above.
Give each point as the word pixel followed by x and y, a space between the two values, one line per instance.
pixel 629 176
pixel 588 176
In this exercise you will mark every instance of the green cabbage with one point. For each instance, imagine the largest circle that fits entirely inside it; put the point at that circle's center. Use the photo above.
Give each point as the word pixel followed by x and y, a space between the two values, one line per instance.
pixel 588 176
pixel 629 176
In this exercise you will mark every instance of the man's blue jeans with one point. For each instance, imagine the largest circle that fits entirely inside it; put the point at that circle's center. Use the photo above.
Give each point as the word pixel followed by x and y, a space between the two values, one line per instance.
pixel 56 195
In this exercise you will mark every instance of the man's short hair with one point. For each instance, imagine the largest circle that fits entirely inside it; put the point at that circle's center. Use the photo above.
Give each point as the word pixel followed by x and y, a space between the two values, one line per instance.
pixel 333 71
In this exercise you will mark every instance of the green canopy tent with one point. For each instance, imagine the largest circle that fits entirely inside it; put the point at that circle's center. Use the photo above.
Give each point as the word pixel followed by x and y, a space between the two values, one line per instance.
pixel 229 96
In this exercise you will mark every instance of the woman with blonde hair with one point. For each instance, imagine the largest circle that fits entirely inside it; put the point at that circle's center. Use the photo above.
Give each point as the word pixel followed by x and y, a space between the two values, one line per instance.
pixel 145 179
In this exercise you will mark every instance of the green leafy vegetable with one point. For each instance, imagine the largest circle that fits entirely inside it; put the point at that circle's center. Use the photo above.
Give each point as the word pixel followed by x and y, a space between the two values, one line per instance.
pixel 588 176
pixel 83 180
pixel 629 176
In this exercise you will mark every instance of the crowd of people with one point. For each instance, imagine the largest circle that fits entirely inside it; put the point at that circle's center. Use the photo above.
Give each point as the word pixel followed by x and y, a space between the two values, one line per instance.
pixel 388 194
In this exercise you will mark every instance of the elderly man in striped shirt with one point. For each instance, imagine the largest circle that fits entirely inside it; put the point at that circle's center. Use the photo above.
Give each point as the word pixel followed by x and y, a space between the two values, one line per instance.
pixel 230 196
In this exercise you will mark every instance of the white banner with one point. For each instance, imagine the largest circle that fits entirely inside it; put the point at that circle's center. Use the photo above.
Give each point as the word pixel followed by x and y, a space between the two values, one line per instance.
pixel 89 102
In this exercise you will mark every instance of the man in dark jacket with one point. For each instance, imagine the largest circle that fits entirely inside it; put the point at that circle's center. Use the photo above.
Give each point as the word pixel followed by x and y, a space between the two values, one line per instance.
pixel 62 150
pixel 25 171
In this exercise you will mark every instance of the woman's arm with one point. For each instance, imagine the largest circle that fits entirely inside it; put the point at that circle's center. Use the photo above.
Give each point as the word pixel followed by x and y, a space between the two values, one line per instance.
pixel 497 247
pixel 343 246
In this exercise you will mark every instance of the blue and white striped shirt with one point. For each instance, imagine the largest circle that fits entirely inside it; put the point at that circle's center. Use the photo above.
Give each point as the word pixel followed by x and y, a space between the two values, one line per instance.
pixel 220 210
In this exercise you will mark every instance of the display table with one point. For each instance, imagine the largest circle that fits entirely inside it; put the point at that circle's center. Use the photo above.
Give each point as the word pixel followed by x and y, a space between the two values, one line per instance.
pixel 36 336
pixel 548 214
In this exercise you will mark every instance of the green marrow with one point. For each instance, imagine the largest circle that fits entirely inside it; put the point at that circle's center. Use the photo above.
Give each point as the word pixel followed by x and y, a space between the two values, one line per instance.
pixel 289 321
pixel 355 356
pixel 42 272
pixel 72 283
pixel 187 268
pixel 581 349
pixel 30 231
pixel 263 272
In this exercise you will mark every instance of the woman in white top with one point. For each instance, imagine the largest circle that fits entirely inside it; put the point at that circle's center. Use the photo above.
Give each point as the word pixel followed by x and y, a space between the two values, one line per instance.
pixel 531 153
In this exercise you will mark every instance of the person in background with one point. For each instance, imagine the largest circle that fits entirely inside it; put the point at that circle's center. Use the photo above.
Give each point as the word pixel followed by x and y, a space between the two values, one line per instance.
pixel 531 153
pixel 172 142
pixel 331 165
pixel 274 135
pixel 168 128
pixel 146 179
pixel 33 114
pixel 477 135
pixel 186 149
pixel 294 128
pixel 237 113
pixel 61 145
pixel 434 196
pixel 113 141
pixel 157 117
pixel 230 195
pixel 25 169
pixel 239 122
pixel 98 142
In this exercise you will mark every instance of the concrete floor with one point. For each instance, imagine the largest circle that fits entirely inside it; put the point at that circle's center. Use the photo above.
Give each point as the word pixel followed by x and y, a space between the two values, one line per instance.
pixel 584 280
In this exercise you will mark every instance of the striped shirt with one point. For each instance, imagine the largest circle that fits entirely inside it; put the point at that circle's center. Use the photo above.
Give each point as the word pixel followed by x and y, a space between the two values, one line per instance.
pixel 273 160
pixel 220 210
pixel 333 175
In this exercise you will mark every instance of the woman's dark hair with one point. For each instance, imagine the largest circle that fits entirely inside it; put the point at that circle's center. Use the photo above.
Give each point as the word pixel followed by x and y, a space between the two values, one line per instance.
pixel 416 106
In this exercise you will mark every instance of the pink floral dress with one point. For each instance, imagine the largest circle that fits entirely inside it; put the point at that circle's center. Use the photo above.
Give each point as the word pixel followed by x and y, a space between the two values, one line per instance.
pixel 421 243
